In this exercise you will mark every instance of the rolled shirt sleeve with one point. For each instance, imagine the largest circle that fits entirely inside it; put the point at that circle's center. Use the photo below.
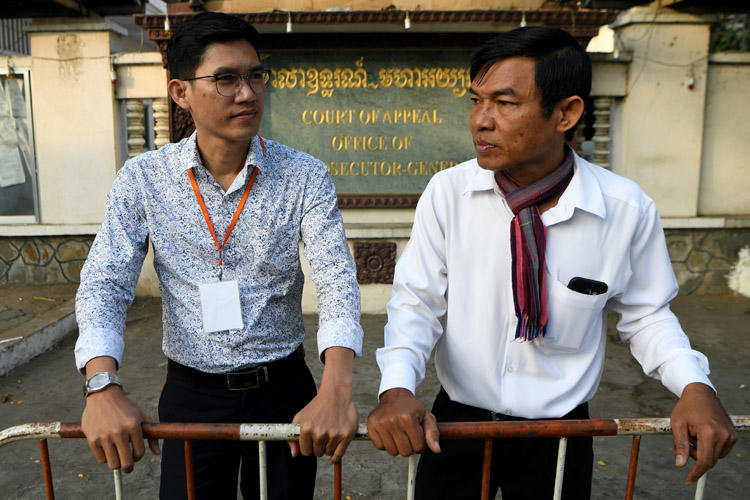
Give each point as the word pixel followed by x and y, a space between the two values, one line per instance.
pixel 110 274
pixel 332 268
pixel 656 338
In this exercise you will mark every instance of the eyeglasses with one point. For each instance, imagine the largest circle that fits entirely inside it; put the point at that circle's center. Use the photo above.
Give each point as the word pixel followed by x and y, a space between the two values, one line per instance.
pixel 228 84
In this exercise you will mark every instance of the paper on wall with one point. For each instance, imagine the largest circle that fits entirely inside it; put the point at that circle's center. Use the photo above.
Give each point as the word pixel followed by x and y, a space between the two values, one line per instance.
pixel 11 168
pixel 18 107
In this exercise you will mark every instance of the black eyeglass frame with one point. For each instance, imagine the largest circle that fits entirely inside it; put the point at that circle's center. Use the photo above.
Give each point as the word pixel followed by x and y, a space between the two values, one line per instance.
pixel 215 76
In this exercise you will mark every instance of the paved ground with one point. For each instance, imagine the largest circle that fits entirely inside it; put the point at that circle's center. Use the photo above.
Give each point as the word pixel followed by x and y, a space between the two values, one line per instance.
pixel 20 304
pixel 32 320
pixel 48 388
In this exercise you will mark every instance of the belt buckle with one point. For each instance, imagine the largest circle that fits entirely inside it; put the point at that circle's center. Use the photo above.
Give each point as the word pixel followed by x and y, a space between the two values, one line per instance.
pixel 261 377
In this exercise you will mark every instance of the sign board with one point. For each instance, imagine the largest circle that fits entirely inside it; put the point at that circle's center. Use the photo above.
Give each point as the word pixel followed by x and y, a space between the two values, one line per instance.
pixel 384 121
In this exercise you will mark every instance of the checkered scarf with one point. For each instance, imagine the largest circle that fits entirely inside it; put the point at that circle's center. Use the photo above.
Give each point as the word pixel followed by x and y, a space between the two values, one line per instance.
pixel 528 239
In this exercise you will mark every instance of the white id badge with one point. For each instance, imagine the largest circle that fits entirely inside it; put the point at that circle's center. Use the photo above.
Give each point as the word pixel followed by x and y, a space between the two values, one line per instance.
pixel 220 306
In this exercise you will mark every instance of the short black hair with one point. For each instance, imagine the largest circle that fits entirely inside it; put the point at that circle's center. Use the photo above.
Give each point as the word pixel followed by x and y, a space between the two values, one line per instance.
pixel 191 38
pixel 563 68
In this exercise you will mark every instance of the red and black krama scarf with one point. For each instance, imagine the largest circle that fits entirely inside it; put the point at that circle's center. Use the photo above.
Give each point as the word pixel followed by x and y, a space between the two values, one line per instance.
pixel 528 239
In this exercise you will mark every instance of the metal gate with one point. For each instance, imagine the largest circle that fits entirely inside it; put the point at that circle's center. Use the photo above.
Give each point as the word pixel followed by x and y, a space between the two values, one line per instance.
pixel 486 431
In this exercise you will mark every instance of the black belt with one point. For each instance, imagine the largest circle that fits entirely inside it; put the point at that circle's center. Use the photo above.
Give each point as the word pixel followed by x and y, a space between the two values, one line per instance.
pixel 472 413
pixel 241 379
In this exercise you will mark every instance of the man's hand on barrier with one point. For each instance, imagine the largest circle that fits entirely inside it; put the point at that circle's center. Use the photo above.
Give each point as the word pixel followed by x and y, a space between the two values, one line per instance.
pixel 401 425
pixel 329 422
pixel 701 429
pixel 112 423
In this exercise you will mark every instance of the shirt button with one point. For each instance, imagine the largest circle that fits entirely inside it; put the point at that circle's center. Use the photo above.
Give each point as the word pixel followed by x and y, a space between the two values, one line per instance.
pixel 510 368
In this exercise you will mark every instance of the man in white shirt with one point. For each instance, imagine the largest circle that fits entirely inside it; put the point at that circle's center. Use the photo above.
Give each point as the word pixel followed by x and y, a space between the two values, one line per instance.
pixel 513 261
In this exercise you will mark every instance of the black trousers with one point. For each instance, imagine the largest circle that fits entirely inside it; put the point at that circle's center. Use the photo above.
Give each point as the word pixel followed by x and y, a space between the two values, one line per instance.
pixel 217 463
pixel 521 468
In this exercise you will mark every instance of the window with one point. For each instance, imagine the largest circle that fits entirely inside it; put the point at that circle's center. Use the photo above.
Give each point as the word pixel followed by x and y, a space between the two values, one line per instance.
pixel 18 193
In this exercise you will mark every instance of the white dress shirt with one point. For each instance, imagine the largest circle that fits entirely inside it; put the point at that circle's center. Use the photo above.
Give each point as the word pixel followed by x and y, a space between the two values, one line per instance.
pixel 452 291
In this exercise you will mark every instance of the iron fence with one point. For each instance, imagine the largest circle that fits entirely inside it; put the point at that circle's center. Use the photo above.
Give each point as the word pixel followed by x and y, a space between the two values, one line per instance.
pixel 486 431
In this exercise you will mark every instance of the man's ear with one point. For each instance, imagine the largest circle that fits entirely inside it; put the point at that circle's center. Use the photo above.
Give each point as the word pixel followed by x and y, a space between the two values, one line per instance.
pixel 570 111
pixel 178 91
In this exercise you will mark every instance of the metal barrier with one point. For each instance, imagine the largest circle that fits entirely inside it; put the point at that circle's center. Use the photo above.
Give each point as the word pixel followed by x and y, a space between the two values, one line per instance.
pixel 486 431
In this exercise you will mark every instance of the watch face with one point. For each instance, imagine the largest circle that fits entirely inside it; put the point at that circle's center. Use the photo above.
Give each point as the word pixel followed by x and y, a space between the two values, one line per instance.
pixel 98 381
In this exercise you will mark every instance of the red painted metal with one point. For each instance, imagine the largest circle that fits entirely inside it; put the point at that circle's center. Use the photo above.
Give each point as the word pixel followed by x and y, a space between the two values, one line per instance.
pixel 44 450
pixel 452 430
pixel 337 480
pixel 486 468
pixel 192 431
pixel 71 430
pixel 189 470
pixel 529 429
pixel 634 450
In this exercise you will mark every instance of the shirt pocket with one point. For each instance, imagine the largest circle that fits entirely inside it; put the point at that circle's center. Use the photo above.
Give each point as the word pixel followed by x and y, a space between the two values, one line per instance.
pixel 572 316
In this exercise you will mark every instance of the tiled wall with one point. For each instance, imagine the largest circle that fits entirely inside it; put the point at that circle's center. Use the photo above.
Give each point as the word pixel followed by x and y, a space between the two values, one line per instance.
pixel 703 258
pixel 43 260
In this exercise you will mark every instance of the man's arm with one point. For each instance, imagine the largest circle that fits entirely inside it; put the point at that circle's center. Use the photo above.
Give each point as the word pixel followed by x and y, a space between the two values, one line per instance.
pixel 328 423
pixel 699 423
pixel 110 421
pixel 401 424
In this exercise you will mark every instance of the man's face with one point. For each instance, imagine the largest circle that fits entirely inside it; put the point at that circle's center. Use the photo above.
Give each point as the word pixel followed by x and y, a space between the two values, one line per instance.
pixel 508 124
pixel 226 118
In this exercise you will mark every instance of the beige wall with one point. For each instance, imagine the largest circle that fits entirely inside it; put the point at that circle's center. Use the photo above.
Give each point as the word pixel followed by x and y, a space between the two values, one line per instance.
pixel 140 76
pixel 661 118
pixel 608 77
pixel 74 124
pixel 725 182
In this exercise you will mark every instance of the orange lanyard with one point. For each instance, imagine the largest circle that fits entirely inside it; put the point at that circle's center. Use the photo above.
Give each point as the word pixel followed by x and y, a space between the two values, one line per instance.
pixel 237 212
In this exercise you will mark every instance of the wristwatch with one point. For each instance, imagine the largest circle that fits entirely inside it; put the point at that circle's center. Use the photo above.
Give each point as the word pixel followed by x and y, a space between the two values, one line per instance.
pixel 100 381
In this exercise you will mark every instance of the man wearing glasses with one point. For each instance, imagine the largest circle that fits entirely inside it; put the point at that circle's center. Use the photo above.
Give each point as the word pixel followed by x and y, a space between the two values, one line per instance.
pixel 224 210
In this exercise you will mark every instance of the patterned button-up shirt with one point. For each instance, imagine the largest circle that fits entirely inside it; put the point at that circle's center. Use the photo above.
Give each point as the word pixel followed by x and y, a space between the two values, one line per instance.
pixel 293 197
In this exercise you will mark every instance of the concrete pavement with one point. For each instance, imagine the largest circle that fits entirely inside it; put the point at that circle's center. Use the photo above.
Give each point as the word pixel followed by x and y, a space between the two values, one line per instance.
pixel 32 320
pixel 48 388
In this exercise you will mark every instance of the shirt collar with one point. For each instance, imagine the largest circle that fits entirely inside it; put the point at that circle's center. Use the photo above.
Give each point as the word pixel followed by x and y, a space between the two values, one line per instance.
pixel 583 191
pixel 482 180
pixel 188 156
